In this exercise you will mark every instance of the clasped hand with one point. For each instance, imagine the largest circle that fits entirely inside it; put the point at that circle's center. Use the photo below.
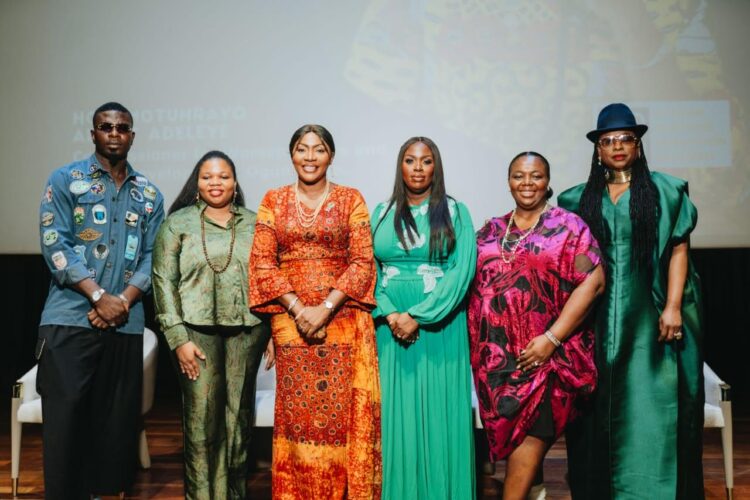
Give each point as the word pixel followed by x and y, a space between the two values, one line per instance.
pixel 108 312
pixel 311 321
pixel 403 326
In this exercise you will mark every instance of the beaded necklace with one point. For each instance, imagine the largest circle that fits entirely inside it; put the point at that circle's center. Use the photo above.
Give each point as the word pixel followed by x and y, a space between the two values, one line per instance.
pixel 203 241
pixel 306 220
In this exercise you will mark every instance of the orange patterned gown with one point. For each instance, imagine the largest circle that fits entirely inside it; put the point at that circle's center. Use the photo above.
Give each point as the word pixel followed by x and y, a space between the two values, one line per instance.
pixel 326 438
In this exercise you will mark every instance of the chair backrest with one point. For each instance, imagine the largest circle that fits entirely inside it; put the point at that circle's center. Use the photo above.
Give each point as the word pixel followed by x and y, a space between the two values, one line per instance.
pixel 150 342
pixel 29 385
pixel 712 385
pixel 266 380
pixel 150 352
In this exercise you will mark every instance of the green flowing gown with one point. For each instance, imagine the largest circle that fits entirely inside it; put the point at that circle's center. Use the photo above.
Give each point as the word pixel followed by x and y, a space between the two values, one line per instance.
pixel 642 438
pixel 427 421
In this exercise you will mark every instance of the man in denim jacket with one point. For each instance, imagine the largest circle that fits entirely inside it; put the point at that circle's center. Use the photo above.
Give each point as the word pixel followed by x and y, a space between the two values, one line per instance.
pixel 97 222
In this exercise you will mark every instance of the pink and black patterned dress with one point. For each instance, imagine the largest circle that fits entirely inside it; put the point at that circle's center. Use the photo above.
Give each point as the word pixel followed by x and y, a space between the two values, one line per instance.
pixel 511 303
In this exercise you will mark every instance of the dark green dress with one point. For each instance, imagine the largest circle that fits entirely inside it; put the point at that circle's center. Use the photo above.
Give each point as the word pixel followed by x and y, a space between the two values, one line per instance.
pixel 642 436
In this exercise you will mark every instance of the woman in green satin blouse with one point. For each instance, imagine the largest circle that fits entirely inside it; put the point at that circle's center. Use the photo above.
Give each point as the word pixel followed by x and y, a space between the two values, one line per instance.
pixel 200 294
pixel 642 436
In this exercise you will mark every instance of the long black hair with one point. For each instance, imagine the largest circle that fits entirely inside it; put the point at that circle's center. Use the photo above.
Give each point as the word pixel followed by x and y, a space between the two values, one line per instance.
pixel 644 206
pixel 442 232
pixel 189 193
pixel 544 161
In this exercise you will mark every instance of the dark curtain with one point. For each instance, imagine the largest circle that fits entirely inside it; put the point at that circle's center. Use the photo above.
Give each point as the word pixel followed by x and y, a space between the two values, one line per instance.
pixel 725 275
pixel 28 280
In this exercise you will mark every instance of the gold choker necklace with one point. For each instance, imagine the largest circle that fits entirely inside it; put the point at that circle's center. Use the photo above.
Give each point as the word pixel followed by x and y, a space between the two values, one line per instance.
pixel 617 176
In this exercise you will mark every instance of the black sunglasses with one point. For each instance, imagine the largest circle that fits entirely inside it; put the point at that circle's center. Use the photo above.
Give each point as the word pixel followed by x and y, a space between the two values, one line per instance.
pixel 122 128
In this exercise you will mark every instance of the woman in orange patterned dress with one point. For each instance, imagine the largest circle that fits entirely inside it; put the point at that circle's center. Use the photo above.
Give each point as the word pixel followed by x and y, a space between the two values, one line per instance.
pixel 312 268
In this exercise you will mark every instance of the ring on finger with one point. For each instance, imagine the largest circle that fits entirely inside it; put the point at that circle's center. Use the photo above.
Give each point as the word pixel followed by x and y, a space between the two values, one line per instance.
pixel 535 364
pixel 678 335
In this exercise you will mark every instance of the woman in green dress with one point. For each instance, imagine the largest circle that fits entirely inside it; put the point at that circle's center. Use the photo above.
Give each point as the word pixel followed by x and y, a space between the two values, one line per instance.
pixel 642 436
pixel 426 254
pixel 200 295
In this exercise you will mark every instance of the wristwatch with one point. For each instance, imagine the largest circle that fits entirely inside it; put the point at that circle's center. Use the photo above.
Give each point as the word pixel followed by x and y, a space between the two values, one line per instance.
pixel 328 304
pixel 97 294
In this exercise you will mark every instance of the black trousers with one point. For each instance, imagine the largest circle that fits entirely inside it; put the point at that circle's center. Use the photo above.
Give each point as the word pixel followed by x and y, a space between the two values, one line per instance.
pixel 91 383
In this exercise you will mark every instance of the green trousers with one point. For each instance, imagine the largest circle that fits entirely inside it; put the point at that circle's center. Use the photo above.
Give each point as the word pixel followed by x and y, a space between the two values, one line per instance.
pixel 217 413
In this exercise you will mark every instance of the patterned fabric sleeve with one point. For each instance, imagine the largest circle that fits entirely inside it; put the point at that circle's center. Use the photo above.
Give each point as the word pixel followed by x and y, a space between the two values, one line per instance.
pixel 56 220
pixel 165 280
pixel 451 288
pixel 358 280
pixel 265 279
pixel 586 254
pixel 384 305
pixel 141 278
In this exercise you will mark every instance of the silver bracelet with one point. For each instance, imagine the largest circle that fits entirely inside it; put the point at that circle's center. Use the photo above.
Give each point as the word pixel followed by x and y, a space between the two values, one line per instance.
pixel 123 298
pixel 552 338
pixel 292 303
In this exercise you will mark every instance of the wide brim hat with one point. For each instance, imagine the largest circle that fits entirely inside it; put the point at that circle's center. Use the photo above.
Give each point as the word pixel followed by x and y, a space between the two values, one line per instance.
pixel 616 116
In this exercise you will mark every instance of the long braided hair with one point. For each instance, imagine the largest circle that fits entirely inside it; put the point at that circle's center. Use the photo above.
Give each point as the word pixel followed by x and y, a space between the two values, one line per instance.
pixel 442 232
pixel 644 206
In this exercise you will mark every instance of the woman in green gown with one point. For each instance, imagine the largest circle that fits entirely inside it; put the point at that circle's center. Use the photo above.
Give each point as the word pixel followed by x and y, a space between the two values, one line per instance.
pixel 426 254
pixel 642 436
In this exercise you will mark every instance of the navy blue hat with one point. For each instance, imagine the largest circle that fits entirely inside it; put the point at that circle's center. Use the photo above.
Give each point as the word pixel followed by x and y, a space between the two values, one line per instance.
pixel 616 116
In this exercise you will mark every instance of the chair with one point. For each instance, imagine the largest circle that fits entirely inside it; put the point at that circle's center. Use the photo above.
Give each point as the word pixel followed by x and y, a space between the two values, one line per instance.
pixel 26 407
pixel 265 395
pixel 717 412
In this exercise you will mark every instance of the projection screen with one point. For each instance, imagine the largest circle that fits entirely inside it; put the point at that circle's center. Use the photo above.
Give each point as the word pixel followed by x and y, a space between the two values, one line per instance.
pixel 484 79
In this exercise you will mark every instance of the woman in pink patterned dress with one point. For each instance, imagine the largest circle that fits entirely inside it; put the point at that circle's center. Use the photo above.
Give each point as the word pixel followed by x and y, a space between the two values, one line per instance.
pixel 538 274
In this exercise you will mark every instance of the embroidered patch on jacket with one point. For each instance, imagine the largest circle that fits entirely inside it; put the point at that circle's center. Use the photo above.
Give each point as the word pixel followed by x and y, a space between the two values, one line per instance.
pixel 79 215
pixel 89 234
pixel 79 187
pixel 59 260
pixel 149 192
pixel 99 214
pixel 48 218
pixel 49 237
pixel 136 195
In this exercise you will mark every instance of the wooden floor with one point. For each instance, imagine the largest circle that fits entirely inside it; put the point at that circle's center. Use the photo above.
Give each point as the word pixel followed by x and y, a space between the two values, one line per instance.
pixel 164 479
